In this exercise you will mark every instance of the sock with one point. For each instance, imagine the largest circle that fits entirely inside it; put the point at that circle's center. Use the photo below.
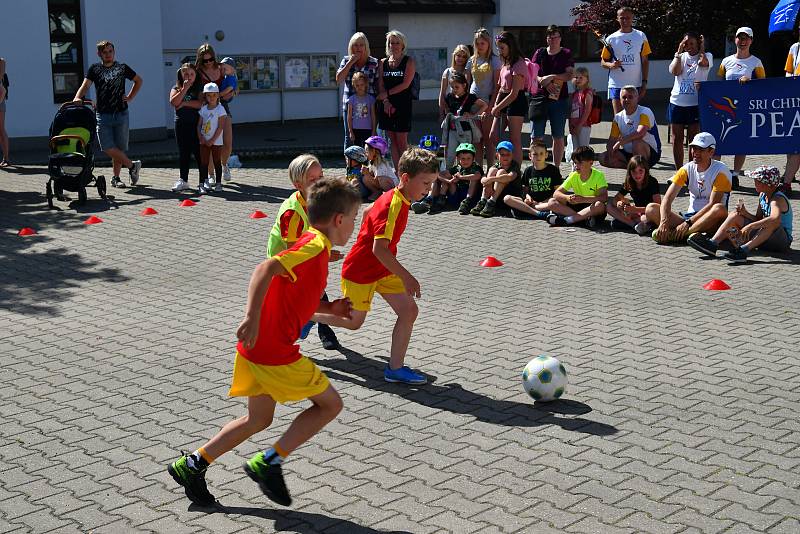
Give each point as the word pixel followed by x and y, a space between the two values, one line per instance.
pixel 569 219
pixel 274 455
pixel 199 460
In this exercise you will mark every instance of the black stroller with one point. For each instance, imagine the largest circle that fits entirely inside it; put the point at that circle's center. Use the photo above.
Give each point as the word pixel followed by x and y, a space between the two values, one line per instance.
pixel 71 160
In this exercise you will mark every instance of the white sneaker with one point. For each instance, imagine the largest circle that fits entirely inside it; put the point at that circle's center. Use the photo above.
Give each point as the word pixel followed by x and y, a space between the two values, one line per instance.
pixel 179 186
pixel 226 173
pixel 218 187
pixel 208 184
pixel 211 179
pixel 134 172
pixel 203 188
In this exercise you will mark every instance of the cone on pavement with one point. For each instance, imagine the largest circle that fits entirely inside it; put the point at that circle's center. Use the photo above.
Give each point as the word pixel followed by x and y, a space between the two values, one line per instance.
pixel 188 202
pixel 716 285
pixel 93 220
pixel 491 261
pixel 258 214
pixel 148 211
pixel 26 231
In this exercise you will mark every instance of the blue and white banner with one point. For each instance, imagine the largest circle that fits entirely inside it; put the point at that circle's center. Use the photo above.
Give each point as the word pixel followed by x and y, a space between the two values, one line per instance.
pixel 757 117
pixel 783 16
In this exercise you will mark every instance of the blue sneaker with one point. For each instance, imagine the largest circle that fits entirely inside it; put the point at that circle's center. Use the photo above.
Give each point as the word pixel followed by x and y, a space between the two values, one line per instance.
pixel 403 375
pixel 306 329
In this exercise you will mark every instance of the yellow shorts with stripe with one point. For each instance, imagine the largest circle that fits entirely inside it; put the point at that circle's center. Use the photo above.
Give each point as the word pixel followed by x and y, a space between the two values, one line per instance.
pixel 361 294
pixel 284 383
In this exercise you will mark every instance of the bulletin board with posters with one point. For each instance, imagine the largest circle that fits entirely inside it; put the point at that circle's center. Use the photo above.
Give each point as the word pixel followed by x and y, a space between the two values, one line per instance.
pixel 430 63
pixel 266 73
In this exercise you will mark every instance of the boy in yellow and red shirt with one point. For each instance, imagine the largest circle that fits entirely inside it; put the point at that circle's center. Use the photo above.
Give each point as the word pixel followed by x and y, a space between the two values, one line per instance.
pixel 372 267
pixel 282 297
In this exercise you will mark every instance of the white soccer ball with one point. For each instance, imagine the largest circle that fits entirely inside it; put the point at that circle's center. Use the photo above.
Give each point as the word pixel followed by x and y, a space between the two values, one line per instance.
pixel 544 378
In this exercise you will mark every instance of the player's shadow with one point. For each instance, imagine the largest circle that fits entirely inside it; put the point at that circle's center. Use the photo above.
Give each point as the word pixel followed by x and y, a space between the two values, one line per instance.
pixel 296 521
pixel 454 398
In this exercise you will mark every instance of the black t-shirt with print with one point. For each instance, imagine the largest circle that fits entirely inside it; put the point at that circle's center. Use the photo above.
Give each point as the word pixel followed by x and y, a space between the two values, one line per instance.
pixel 109 84
pixel 644 196
pixel 542 183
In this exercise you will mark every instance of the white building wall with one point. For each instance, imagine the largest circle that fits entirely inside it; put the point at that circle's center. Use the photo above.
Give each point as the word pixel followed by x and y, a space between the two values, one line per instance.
pixel 534 12
pixel 25 45
pixel 135 30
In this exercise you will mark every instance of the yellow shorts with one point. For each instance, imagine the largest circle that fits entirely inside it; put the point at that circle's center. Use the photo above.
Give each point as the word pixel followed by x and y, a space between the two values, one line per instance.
pixel 361 294
pixel 284 383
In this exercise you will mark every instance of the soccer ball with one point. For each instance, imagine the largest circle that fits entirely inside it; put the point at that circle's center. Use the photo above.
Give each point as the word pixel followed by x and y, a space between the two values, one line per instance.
pixel 544 378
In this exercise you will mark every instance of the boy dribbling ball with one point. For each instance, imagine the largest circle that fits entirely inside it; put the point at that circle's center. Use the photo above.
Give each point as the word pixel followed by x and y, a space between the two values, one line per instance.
pixel 283 295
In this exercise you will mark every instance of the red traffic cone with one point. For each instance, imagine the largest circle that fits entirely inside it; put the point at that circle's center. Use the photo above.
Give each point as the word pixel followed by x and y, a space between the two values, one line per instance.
pixel 491 261
pixel 26 231
pixel 258 214
pixel 148 211
pixel 93 220
pixel 716 285
pixel 188 202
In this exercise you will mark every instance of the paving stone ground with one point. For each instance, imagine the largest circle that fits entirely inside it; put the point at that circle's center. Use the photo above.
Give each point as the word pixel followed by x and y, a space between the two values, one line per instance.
pixel 117 341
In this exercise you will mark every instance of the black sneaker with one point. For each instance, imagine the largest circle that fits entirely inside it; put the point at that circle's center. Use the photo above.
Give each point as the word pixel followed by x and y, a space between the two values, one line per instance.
pixel 556 220
pixel 702 244
pixel 193 482
pixel 269 478
pixel 437 205
pixel 479 207
pixel 116 182
pixel 735 181
pixel 488 210
pixel 421 206
pixel 328 337
pixel 463 208
pixel 736 255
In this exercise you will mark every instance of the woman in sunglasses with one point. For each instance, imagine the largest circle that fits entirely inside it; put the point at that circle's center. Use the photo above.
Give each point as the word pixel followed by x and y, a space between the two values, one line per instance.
pixel 210 70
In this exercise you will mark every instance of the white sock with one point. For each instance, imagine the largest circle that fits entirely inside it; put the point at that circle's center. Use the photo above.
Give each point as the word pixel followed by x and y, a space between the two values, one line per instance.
pixel 569 219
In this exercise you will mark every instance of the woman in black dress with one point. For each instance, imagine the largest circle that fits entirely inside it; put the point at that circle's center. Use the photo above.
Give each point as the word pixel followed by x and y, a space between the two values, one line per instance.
pixel 395 74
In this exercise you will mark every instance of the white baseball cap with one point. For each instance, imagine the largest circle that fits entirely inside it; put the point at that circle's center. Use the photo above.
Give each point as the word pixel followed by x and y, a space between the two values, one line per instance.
pixel 211 87
pixel 745 29
pixel 703 140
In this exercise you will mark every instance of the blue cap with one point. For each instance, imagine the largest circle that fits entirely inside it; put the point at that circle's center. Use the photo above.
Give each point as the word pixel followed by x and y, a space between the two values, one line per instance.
pixel 505 145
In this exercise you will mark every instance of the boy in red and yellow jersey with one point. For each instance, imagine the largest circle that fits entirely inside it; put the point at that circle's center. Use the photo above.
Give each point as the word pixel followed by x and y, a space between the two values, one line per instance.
pixel 282 297
pixel 371 265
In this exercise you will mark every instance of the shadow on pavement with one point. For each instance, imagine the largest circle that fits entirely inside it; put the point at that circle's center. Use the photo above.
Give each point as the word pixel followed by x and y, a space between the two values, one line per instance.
pixel 296 521
pixel 454 398
pixel 33 281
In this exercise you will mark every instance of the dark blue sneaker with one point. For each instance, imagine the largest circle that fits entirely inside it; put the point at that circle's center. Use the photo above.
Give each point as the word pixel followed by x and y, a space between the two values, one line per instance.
pixel 736 255
pixel 404 375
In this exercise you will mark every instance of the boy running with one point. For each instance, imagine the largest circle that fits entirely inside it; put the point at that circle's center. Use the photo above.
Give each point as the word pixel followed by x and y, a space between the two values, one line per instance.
pixel 371 265
pixel 282 297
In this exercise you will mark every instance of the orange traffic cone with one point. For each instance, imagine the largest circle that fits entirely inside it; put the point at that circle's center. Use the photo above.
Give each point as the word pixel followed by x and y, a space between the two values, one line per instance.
pixel 258 214
pixel 148 211
pixel 188 202
pixel 93 220
pixel 716 285
pixel 26 231
pixel 491 261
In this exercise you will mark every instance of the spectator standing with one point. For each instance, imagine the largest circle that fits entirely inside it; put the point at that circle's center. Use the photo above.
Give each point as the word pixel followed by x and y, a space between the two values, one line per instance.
pixel 690 67
pixel 580 129
pixel 630 51
pixel 221 74
pixel 792 160
pixel 3 97
pixel 551 101
pixel 357 60
pixel 511 103
pixel 484 69
pixel 395 75
pixel 458 65
pixel 185 98
pixel 111 108
pixel 741 66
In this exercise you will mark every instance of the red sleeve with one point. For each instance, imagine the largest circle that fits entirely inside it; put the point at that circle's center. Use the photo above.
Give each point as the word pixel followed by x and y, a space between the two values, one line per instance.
pixel 291 225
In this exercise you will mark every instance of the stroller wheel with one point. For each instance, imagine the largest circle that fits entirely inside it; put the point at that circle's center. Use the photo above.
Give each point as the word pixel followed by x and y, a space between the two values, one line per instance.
pixel 81 195
pixel 100 181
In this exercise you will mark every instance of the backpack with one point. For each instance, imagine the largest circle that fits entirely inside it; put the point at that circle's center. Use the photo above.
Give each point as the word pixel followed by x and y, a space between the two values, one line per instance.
pixel 532 83
pixel 596 115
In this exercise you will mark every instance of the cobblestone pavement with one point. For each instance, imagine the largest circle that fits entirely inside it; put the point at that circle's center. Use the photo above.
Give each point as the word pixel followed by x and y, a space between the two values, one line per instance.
pixel 117 342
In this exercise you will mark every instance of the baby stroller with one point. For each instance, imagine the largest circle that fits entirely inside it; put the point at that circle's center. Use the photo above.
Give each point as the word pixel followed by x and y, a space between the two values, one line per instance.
pixel 454 133
pixel 71 160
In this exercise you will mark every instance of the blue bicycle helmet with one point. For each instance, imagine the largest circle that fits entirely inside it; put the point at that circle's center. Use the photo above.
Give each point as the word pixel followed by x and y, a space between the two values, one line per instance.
pixel 430 142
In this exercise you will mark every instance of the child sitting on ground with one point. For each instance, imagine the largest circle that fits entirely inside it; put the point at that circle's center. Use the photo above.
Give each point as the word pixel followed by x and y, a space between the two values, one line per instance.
pixel 504 176
pixel 770 228
pixel 378 174
pixel 582 196
pixel 466 177
pixel 539 182
pixel 356 158
pixel 643 189
pixel 283 295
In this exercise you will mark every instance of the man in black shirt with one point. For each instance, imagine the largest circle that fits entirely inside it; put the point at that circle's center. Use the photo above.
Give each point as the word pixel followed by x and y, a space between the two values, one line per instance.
pixel 112 108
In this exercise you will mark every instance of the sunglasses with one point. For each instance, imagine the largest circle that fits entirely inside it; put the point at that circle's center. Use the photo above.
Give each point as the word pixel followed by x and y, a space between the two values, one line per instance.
pixel 208 60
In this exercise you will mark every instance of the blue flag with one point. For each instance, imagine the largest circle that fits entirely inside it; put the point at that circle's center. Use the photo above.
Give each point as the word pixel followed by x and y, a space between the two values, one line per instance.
pixel 757 117
pixel 783 16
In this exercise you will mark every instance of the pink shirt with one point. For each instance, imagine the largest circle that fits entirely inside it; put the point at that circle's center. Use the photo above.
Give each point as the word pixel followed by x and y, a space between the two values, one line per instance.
pixel 507 74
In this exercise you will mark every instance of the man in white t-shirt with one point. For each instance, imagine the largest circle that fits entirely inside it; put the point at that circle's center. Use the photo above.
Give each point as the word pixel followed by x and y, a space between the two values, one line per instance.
pixel 634 132
pixel 709 184
pixel 625 57
pixel 792 160
pixel 690 67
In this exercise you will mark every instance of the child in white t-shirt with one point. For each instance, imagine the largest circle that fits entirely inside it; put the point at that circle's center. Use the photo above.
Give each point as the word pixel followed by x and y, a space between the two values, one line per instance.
pixel 209 130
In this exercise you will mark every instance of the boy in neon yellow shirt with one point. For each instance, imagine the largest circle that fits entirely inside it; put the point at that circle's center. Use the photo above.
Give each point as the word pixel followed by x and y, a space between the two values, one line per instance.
pixel 582 196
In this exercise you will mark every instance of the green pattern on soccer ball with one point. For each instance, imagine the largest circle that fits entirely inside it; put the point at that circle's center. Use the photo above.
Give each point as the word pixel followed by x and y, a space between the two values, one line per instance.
pixel 563 370
pixel 545 376
pixel 558 392
pixel 543 358
pixel 535 394
pixel 525 374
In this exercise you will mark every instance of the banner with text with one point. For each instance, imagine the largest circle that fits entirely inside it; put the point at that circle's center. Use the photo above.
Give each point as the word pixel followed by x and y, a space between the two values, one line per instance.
pixel 757 117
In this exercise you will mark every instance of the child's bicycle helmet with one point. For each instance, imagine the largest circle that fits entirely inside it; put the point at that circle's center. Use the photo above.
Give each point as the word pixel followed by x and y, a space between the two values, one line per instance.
pixel 465 147
pixel 430 142
pixel 378 143
pixel 356 153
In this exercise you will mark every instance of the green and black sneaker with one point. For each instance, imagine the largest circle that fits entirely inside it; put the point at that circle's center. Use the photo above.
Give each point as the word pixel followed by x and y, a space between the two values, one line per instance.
pixel 269 478
pixel 193 482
